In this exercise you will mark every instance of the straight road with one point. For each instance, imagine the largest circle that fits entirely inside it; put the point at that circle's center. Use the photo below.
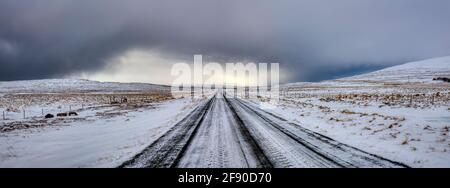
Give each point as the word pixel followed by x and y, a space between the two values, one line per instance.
pixel 228 132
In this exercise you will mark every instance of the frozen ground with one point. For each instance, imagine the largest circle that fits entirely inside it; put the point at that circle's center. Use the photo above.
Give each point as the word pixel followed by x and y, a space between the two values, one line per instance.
pixel 416 137
pixel 414 72
pixel 91 143
pixel 229 132
pixel 389 118
pixel 25 103
pixel 74 85
pixel 399 112
pixel 113 122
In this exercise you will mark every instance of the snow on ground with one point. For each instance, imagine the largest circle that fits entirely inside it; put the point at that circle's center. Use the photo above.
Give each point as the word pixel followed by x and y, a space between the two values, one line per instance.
pixel 28 107
pixel 398 112
pixel 103 142
pixel 114 121
pixel 25 101
pixel 74 85
pixel 418 72
pixel 416 137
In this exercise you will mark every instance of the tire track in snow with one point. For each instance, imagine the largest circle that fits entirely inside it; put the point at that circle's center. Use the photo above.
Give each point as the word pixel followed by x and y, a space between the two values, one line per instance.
pixel 210 136
pixel 281 150
pixel 167 150
pixel 223 141
pixel 229 132
pixel 325 148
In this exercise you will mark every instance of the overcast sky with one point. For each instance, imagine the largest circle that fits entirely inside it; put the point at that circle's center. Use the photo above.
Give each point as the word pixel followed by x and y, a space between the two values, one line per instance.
pixel 138 40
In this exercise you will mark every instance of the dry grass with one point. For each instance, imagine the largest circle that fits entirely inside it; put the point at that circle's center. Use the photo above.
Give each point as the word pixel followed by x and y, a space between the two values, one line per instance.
pixel 15 102
pixel 107 105
pixel 416 100
pixel 38 123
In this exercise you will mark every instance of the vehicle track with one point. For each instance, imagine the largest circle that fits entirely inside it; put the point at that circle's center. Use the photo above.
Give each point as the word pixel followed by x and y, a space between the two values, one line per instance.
pixel 165 152
pixel 210 136
pixel 323 147
pixel 222 141
pixel 232 133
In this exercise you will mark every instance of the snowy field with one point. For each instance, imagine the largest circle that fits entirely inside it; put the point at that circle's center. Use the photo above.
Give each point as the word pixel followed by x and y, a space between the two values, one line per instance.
pixel 75 86
pixel 90 143
pixel 105 131
pixel 399 112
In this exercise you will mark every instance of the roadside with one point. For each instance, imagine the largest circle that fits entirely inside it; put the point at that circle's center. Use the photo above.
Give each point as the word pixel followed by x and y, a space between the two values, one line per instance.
pixel 384 121
pixel 102 142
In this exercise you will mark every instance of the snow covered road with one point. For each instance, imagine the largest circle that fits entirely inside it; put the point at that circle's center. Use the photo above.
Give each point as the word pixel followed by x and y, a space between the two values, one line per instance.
pixel 230 132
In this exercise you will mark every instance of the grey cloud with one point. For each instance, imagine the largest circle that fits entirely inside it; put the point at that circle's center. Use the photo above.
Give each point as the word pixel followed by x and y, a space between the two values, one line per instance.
pixel 313 39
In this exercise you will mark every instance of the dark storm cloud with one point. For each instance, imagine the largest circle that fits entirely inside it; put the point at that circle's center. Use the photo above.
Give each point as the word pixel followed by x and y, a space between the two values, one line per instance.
pixel 312 39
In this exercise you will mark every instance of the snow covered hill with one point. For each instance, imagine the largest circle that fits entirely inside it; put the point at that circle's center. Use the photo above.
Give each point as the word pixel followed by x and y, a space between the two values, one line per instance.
pixel 414 72
pixel 399 112
pixel 73 85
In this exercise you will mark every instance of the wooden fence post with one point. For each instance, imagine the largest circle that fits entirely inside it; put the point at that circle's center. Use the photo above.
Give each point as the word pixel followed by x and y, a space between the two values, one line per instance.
pixel 432 98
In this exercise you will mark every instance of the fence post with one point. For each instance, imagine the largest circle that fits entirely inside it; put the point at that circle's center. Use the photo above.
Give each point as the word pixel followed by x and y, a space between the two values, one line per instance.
pixel 4 115
pixel 432 99
pixel 42 111
pixel 23 113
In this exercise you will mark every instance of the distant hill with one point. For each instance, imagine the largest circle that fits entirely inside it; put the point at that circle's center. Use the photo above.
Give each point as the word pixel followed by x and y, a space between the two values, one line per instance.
pixel 415 72
pixel 75 85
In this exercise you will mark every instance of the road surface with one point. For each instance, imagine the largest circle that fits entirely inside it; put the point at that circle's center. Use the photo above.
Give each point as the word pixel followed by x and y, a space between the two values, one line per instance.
pixel 226 132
